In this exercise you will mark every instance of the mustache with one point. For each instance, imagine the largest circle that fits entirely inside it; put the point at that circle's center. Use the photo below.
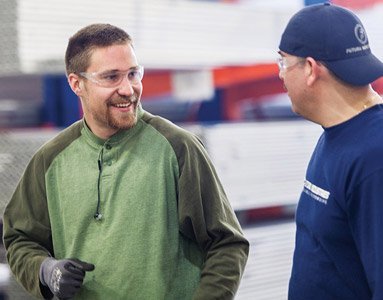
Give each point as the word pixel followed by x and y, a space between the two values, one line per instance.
pixel 119 100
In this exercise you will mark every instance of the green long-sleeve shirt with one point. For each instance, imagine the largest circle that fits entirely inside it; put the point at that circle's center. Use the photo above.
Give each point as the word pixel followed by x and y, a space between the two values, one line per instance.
pixel 167 231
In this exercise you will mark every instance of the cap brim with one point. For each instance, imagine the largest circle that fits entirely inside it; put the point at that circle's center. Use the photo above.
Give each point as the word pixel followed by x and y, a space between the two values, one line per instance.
pixel 360 70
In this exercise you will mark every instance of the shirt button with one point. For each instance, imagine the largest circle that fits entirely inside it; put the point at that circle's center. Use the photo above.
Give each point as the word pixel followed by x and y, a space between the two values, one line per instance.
pixel 108 147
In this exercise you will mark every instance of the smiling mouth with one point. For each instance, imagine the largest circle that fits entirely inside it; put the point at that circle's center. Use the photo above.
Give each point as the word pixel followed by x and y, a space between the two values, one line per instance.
pixel 122 105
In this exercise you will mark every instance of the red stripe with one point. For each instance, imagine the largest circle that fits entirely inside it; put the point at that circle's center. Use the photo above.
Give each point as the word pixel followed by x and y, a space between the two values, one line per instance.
pixel 356 4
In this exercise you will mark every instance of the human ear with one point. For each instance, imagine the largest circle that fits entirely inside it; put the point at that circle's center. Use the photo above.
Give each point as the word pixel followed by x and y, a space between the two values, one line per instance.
pixel 312 70
pixel 74 83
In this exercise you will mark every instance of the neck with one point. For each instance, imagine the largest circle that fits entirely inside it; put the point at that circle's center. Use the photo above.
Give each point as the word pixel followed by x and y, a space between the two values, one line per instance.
pixel 100 132
pixel 375 99
pixel 347 103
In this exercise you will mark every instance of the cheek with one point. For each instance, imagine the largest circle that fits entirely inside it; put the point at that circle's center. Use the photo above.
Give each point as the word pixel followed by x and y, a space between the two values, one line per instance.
pixel 99 96
pixel 138 90
pixel 292 84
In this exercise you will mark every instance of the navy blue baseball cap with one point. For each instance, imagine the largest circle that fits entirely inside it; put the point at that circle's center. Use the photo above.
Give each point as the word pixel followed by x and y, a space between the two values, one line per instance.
pixel 335 36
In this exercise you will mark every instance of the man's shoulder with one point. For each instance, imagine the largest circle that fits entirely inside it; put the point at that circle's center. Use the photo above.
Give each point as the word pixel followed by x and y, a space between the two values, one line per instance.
pixel 58 143
pixel 181 140
pixel 168 129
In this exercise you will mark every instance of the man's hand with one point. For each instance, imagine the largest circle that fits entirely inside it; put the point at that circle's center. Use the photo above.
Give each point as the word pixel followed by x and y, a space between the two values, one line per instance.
pixel 64 277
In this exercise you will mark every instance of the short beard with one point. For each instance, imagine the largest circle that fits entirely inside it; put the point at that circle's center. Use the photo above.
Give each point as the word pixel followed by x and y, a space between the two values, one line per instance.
pixel 124 122
pixel 129 121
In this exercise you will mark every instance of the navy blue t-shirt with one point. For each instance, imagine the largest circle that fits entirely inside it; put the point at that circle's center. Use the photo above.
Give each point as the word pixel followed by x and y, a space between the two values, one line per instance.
pixel 339 239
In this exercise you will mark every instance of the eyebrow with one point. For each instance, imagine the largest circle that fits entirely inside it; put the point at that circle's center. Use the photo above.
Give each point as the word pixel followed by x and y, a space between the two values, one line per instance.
pixel 117 70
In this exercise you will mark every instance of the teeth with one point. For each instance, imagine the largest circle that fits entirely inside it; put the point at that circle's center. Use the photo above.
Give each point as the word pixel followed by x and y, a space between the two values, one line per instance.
pixel 122 105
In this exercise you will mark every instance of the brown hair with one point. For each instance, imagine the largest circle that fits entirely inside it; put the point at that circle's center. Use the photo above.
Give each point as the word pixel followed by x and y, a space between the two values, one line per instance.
pixel 81 44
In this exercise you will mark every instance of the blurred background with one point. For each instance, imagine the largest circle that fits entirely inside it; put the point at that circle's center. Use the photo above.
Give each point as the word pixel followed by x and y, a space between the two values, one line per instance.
pixel 209 67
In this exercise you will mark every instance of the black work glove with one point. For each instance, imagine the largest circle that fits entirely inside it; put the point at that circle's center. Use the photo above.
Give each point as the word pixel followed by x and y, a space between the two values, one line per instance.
pixel 64 277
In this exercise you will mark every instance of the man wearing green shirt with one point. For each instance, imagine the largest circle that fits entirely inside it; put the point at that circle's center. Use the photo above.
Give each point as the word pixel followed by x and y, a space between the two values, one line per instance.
pixel 122 204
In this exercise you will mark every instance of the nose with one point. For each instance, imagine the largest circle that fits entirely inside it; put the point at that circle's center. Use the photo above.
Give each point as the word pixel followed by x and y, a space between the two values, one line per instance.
pixel 126 87
pixel 280 75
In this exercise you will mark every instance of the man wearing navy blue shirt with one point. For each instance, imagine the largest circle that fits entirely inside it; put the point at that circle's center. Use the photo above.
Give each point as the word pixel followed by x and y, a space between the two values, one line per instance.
pixel 327 66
